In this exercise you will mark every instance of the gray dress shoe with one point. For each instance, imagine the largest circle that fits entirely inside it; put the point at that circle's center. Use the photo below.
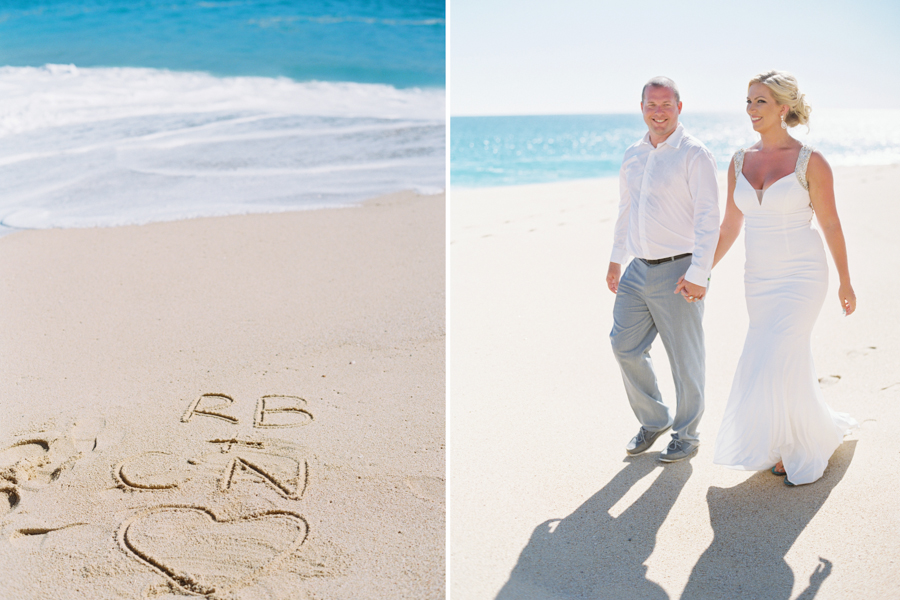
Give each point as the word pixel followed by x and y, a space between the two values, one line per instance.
pixel 643 440
pixel 677 450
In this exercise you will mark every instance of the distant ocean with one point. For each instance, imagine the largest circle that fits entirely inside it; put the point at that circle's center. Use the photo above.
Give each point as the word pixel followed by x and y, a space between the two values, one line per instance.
pixel 127 111
pixel 500 151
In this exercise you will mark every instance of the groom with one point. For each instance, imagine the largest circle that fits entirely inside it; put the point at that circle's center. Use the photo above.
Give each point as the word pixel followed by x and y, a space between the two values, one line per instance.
pixel 669 222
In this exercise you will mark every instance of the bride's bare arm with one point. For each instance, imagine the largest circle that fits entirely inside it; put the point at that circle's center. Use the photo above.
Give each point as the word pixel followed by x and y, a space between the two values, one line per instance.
pixel 821 193
pixel 731 223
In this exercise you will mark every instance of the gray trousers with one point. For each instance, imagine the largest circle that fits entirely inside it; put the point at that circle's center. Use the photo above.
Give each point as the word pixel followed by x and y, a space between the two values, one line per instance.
pixel 646 305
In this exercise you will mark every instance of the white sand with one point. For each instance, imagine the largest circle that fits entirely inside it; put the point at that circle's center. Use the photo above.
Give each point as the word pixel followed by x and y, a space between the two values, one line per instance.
pixel 242 407
pixel 544 502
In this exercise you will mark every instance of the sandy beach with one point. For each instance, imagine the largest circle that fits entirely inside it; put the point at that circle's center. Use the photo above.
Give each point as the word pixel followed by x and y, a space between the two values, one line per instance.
pixel 545 504
pixel 237 407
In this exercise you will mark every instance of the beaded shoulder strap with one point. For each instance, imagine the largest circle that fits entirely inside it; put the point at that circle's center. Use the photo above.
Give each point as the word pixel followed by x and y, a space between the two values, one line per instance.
pixel 802 163
pixel 738 162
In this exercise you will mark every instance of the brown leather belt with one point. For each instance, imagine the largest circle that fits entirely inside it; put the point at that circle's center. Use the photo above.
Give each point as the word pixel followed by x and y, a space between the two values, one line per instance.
pixel 657 261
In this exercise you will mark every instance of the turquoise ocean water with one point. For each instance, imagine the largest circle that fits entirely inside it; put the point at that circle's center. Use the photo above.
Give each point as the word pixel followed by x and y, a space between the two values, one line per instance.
pixel 118 111
pixel 500 151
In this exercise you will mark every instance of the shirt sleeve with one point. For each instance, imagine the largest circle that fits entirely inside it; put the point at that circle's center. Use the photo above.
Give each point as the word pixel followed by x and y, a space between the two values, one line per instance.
pixel 619 253
pixel 704 187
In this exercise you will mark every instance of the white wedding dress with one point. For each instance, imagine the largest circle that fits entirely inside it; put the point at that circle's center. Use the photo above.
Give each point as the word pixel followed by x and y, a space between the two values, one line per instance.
pixel 776 410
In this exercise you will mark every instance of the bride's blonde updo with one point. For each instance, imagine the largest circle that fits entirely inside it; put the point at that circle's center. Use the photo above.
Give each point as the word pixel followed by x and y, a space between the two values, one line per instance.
pixel 784 89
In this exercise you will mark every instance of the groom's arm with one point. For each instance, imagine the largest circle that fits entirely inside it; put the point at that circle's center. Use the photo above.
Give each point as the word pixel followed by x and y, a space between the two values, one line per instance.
pixel 619 254
pixel 704 186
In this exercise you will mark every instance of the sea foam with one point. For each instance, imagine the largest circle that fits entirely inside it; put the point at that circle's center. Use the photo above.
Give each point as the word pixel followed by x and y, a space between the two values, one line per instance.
pixel 113 146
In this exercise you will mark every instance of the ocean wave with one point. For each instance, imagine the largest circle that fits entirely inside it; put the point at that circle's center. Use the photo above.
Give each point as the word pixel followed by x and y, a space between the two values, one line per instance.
pixel 112 146
pixel 55 95
pixel 335 20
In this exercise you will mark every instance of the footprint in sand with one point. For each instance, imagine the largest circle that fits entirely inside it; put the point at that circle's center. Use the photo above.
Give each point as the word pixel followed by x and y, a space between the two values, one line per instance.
pixel 91 435
pixel 9 498
pixel 24 465
pixel 38 460
pixel 24 451
pixel 829 380
pixel 199 554
pixel 27 461
pixel 861 351
pixel 426 488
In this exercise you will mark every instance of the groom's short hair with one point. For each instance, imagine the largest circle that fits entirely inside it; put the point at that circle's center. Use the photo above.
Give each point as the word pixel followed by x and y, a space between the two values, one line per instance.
pixel 663 82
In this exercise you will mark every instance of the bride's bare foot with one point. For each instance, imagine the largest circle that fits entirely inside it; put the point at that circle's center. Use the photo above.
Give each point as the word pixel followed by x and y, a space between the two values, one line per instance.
pixel 778 469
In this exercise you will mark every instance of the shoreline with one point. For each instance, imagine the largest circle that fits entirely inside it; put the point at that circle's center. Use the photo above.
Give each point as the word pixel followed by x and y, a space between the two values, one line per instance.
pixel 845 169
pixel 6 230
pixel 248 404
pixel 464 189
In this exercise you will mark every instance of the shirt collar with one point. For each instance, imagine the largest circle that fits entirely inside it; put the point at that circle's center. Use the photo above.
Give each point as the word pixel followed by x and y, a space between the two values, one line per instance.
pixel 673 140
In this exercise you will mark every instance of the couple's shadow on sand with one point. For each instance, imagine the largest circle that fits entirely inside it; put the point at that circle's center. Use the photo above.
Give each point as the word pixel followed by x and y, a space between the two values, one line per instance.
pixel 592 555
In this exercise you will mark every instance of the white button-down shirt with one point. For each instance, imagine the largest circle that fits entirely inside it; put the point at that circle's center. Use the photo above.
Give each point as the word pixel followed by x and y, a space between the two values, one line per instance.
pixel 669 203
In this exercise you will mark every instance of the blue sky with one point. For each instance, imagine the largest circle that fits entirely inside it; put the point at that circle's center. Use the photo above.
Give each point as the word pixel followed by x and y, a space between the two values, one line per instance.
pixel 592 56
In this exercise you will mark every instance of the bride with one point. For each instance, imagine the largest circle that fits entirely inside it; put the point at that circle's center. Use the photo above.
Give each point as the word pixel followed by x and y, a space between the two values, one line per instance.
pixel 776 414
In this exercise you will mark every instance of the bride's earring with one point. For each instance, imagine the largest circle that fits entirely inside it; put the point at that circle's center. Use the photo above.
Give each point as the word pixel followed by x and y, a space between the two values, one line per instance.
pixel 783 124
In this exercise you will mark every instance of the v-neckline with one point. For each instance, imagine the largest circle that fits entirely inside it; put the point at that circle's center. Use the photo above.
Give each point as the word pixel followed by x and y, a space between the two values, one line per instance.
pixel 761 193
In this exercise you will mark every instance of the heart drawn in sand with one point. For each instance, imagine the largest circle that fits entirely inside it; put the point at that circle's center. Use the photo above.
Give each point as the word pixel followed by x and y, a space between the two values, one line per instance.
pixel 204 556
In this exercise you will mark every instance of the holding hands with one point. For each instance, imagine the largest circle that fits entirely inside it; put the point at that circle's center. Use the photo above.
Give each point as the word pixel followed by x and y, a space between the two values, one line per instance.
pixel 691 292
